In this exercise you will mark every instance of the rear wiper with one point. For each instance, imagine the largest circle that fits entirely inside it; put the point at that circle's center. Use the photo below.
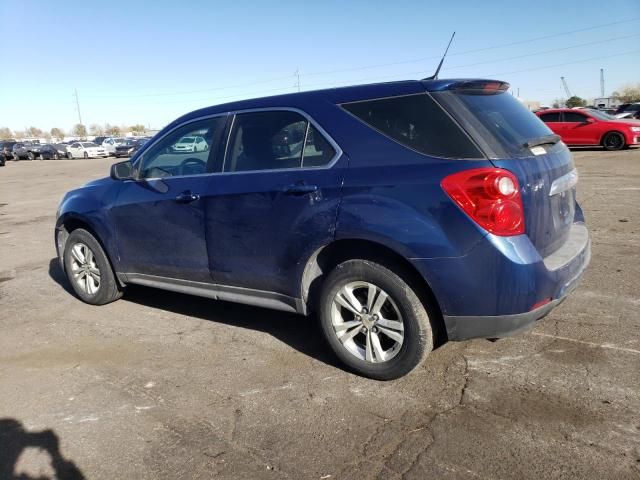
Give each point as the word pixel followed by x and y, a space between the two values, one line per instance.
pixel 546 140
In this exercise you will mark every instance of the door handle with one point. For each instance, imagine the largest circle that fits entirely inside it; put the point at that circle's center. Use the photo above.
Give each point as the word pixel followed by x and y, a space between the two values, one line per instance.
pixel 187 197
pixel 300 189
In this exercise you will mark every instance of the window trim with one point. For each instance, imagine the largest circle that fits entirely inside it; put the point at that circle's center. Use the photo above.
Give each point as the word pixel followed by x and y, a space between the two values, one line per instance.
pixel 232 114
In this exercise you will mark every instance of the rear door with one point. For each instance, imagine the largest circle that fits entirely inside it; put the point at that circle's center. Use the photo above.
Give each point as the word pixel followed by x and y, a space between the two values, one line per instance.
pixel 506 130
pixel 276 201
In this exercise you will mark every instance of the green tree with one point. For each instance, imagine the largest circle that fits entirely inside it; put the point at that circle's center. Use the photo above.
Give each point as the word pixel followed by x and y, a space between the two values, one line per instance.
pixel 6 133
pixel 628 93
pixel 57 133
pixel 79 130
pixel 575 101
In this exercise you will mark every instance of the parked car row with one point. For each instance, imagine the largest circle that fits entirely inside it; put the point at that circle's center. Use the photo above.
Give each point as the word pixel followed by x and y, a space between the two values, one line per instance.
pixel 101 147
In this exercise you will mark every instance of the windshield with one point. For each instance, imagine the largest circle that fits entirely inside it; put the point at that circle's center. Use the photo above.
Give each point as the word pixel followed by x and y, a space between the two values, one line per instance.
pixel 187 140
pixel 497 118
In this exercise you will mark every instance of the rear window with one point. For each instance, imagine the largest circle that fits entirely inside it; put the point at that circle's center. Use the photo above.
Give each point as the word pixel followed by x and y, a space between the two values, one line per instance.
pixel 417 122
pixel 498 119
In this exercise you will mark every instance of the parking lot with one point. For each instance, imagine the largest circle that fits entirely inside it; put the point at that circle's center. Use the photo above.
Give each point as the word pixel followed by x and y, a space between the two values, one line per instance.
pixel 162 385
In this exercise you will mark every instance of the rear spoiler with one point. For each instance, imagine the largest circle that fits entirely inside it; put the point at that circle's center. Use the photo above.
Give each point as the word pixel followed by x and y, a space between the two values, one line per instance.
pixel 475 87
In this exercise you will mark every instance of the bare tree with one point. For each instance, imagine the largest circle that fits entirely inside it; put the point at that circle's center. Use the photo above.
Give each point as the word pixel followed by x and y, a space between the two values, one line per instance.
pixel 19 134
pixel 113 130
pixel 57 133
pixel 79 130
pixel 5 133
pixel 137 128
pixel 33 132
pixel 628 93
pixel 96 129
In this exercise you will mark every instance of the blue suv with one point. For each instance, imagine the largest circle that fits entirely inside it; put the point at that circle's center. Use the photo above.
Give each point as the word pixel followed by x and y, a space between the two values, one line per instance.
pixel 398 213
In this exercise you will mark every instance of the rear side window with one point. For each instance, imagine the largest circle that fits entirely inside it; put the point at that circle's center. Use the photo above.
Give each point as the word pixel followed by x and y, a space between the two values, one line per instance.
pixel 574 117
pixel 275 140
pixel 417 122
pixel 550 117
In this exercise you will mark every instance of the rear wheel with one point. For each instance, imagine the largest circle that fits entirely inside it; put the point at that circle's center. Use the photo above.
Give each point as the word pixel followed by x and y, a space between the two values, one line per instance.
pixel 56 156
pixel 69 155
pixel 89 270
pixel 86 155
pixel 30 156
pixel 613 141
pixel 373 320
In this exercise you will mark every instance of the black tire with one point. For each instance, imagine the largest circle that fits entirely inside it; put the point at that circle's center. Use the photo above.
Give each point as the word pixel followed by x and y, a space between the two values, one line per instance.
pixel 30 156
pixel 108 289
pixel 16 157
pixel 86 155
pixel 613 141
pixel 69 156
pixel 418 332
pixel 56 156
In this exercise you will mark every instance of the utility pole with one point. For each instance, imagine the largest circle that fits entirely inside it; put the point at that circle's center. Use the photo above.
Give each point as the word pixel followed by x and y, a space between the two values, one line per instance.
pixel 566 87
pixel 602 82
pixel 297 75
pixel 75 93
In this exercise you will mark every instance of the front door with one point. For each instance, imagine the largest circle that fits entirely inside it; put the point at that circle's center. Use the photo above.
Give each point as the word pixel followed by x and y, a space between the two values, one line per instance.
pixel 160 218
pixel 275 203
pixel 579 131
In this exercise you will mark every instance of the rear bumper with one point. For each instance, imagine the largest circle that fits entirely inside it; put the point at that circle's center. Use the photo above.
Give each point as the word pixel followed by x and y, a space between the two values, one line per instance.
pixel 494 290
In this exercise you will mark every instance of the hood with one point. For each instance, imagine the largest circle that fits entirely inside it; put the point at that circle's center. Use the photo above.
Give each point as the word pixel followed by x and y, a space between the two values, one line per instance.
pixel 98 182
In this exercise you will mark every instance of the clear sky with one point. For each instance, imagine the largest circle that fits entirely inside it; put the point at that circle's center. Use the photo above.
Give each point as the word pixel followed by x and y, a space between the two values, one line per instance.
pixel 149 62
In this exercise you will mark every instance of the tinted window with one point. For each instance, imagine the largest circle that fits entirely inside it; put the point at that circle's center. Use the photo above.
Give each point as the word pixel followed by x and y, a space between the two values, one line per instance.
pixel 550 117
pixel 573 117
pixel 498 118
pixel 417 122
pixel 266 141
pixel 171 157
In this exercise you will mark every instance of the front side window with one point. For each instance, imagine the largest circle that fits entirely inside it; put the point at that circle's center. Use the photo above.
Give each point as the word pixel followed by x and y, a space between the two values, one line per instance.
pixel 275 140
pixel 573 117
pixel 177 153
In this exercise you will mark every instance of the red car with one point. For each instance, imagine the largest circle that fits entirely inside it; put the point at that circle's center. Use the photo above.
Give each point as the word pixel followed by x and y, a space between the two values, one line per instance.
pixel 591 127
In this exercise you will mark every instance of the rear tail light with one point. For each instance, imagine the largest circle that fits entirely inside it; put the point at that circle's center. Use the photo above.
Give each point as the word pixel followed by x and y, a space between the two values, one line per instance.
pixel 490 196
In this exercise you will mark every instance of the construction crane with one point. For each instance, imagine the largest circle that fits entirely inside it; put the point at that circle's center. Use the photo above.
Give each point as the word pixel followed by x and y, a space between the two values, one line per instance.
pixel 566 87
pixel 602 82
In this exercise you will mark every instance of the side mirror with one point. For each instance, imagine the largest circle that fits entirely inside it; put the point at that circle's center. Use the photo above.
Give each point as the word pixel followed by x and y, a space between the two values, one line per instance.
pixel 122 171
pixel 589 120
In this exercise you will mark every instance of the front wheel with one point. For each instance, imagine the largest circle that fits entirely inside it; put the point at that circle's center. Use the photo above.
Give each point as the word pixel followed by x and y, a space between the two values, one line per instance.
pixel 88 269
pixel 86 155
pixel 373 320
pixel 613 141
pixel 69 155
pixel 30 156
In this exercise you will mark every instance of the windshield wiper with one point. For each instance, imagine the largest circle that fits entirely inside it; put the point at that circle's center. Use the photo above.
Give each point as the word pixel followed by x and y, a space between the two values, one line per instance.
pixel 546 140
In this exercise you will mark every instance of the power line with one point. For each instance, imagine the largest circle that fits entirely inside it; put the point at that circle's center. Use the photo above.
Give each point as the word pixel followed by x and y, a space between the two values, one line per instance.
pixel 365 67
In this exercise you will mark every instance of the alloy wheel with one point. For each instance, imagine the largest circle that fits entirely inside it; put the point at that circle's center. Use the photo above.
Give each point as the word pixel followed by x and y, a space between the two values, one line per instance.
pixel 367 322
pixel 85 269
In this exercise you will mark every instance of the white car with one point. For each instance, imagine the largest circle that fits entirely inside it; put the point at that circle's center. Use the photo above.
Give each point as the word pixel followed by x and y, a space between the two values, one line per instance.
pixel 110 144
pixel 191 144
pixel 86 150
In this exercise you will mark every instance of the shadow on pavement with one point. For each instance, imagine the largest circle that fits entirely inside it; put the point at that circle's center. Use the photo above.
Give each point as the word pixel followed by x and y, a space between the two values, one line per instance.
pixel 14 440
pixel 299 332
